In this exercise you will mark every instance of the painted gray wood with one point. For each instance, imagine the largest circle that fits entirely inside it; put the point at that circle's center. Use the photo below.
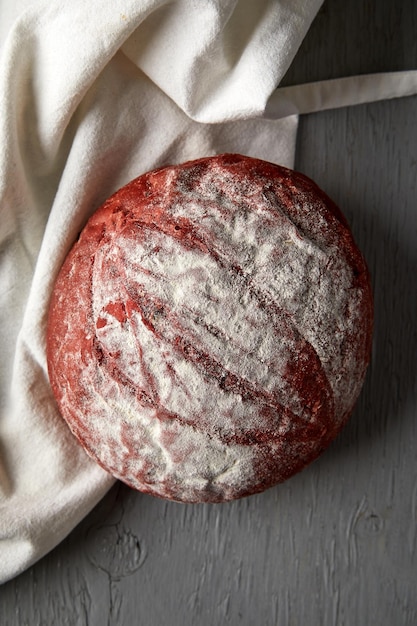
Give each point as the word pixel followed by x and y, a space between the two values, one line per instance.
pixel 335 545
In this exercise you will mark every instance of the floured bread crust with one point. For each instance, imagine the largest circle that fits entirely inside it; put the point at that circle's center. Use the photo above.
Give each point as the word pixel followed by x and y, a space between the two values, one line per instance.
pixel 209 332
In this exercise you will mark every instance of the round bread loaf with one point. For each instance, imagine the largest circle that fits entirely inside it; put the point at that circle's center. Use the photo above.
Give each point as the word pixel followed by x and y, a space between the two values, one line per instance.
pixel 209 332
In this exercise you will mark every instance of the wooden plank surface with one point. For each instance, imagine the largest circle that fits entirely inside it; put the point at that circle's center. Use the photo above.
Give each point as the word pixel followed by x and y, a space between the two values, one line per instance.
pixel 335 545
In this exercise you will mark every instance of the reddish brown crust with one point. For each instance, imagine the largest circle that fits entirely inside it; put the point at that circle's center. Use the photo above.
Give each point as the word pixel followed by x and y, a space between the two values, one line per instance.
pixel 140 207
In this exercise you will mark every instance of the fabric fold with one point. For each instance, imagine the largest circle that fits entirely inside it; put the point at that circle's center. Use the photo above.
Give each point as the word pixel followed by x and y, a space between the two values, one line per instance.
pixel 241 51
pixel 340 92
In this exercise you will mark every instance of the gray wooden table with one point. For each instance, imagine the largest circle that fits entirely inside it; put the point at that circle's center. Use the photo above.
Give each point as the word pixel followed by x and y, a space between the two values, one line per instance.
pixel 335 545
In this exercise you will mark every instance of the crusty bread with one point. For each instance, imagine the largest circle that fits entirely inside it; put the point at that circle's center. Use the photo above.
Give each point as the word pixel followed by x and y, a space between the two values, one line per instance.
pixel 209 332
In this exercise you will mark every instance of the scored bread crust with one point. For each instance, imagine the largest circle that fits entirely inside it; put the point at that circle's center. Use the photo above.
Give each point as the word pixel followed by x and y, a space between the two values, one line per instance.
pixel 209 332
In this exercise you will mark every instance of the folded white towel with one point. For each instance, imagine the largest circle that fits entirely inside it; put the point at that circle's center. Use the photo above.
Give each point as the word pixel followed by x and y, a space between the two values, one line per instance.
pixel 93 94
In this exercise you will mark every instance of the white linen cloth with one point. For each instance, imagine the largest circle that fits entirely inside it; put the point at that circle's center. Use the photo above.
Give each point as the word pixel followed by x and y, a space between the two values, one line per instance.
pixel 92 94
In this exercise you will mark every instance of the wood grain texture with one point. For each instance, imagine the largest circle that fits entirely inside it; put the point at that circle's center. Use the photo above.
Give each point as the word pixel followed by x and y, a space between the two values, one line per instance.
pixel 335 545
